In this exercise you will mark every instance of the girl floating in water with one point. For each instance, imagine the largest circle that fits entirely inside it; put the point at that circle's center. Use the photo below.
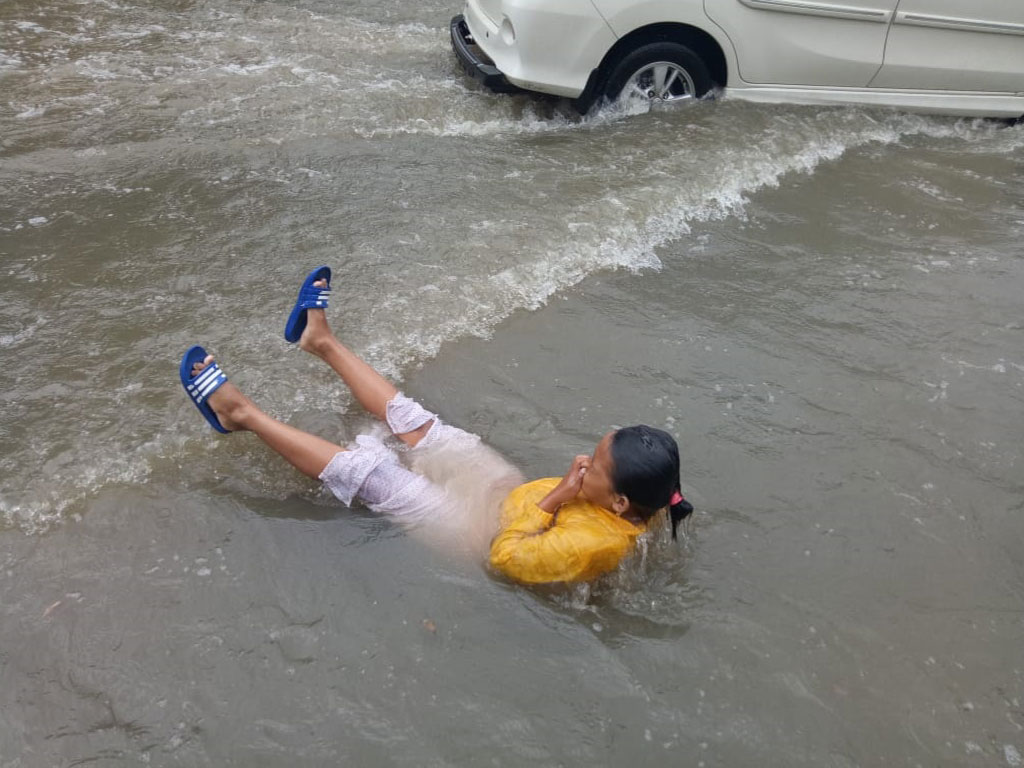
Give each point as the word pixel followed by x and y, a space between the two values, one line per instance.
pixel 451 486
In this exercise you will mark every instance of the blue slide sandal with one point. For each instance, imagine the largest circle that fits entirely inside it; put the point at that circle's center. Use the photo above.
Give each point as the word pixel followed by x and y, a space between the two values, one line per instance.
pixel 310 297
pixel 200 387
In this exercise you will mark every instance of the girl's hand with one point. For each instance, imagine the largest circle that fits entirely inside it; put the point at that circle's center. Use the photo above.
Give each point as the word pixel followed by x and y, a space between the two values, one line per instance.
pixel 568 487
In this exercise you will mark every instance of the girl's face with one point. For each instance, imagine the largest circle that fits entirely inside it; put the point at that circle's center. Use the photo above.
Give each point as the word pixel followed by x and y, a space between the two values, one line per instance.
pixel 597 481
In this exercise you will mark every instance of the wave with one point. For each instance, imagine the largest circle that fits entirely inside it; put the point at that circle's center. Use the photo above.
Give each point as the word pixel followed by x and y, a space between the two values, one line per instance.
pixel 615 233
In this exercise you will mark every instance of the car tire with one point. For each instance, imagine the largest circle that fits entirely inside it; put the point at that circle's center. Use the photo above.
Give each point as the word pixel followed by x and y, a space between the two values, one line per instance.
pixel 661 71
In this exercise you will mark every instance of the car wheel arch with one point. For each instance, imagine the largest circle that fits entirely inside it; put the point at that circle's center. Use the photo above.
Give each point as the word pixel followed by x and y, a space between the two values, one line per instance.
pixel 702 43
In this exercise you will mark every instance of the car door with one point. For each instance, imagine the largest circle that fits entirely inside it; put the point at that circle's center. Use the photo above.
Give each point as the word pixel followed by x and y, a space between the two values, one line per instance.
pixel 806 42
pixel 957 45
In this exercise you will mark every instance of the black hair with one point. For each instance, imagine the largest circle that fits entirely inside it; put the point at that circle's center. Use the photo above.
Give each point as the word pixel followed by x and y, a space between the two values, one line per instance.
pixel 646 471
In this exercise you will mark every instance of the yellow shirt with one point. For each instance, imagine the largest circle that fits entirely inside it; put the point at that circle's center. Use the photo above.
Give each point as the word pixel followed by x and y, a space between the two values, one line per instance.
pixel 579 543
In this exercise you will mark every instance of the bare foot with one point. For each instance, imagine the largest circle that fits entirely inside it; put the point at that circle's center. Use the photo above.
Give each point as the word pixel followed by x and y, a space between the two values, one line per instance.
pixel 228 402
pixel 317 335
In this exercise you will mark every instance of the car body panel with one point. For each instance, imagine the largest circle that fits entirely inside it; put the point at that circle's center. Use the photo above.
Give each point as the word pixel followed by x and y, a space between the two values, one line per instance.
pixel 961 103
pixel 955 45
pixel 491 9
pixel 799 42
pixel 556 45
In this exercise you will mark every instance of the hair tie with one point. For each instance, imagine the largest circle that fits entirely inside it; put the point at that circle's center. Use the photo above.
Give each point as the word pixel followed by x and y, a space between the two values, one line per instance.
pixel 677 497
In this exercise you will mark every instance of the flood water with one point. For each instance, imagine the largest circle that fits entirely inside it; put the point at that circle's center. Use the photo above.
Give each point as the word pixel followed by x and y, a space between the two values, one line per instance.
pixel 823 305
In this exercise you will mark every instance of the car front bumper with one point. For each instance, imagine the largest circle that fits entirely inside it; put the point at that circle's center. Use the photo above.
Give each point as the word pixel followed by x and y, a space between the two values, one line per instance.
pixel 549 46
pixel 475 61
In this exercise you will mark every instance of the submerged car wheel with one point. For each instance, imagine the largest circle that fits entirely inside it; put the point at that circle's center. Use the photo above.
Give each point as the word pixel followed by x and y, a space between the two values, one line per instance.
pixel 668 72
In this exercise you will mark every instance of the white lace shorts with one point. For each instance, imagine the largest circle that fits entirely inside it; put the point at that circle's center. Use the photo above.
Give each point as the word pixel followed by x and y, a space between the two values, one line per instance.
pixel 450 482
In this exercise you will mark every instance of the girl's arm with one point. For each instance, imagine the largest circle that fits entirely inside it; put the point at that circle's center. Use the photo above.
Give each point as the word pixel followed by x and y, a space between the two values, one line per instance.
pixel 568 488
pixel 533 549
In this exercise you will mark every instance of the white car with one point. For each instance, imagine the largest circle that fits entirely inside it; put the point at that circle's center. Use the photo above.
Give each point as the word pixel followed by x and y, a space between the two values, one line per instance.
pixel 957 57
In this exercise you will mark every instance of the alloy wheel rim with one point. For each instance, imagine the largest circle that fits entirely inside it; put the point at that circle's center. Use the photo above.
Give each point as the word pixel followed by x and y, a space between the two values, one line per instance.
pixel 660 81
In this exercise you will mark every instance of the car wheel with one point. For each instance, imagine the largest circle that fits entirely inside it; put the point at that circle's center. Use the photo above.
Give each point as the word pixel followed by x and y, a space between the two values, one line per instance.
pixel 668 72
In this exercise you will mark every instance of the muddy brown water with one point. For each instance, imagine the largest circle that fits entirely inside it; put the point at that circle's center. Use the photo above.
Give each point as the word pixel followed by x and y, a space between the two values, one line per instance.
pixel 824 306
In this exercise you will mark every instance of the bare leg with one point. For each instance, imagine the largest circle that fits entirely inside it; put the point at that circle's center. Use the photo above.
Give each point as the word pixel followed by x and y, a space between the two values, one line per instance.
pixel 371 389
pixel 307 453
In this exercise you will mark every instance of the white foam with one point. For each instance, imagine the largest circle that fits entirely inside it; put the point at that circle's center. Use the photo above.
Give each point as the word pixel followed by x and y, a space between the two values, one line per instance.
pixel 38 508
pixel 251 69
pixel 13 339
pixel 137 33
pixel 530 121
pixel 96 71
pixel 10 60
pixel 48 495
pixel 30 112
